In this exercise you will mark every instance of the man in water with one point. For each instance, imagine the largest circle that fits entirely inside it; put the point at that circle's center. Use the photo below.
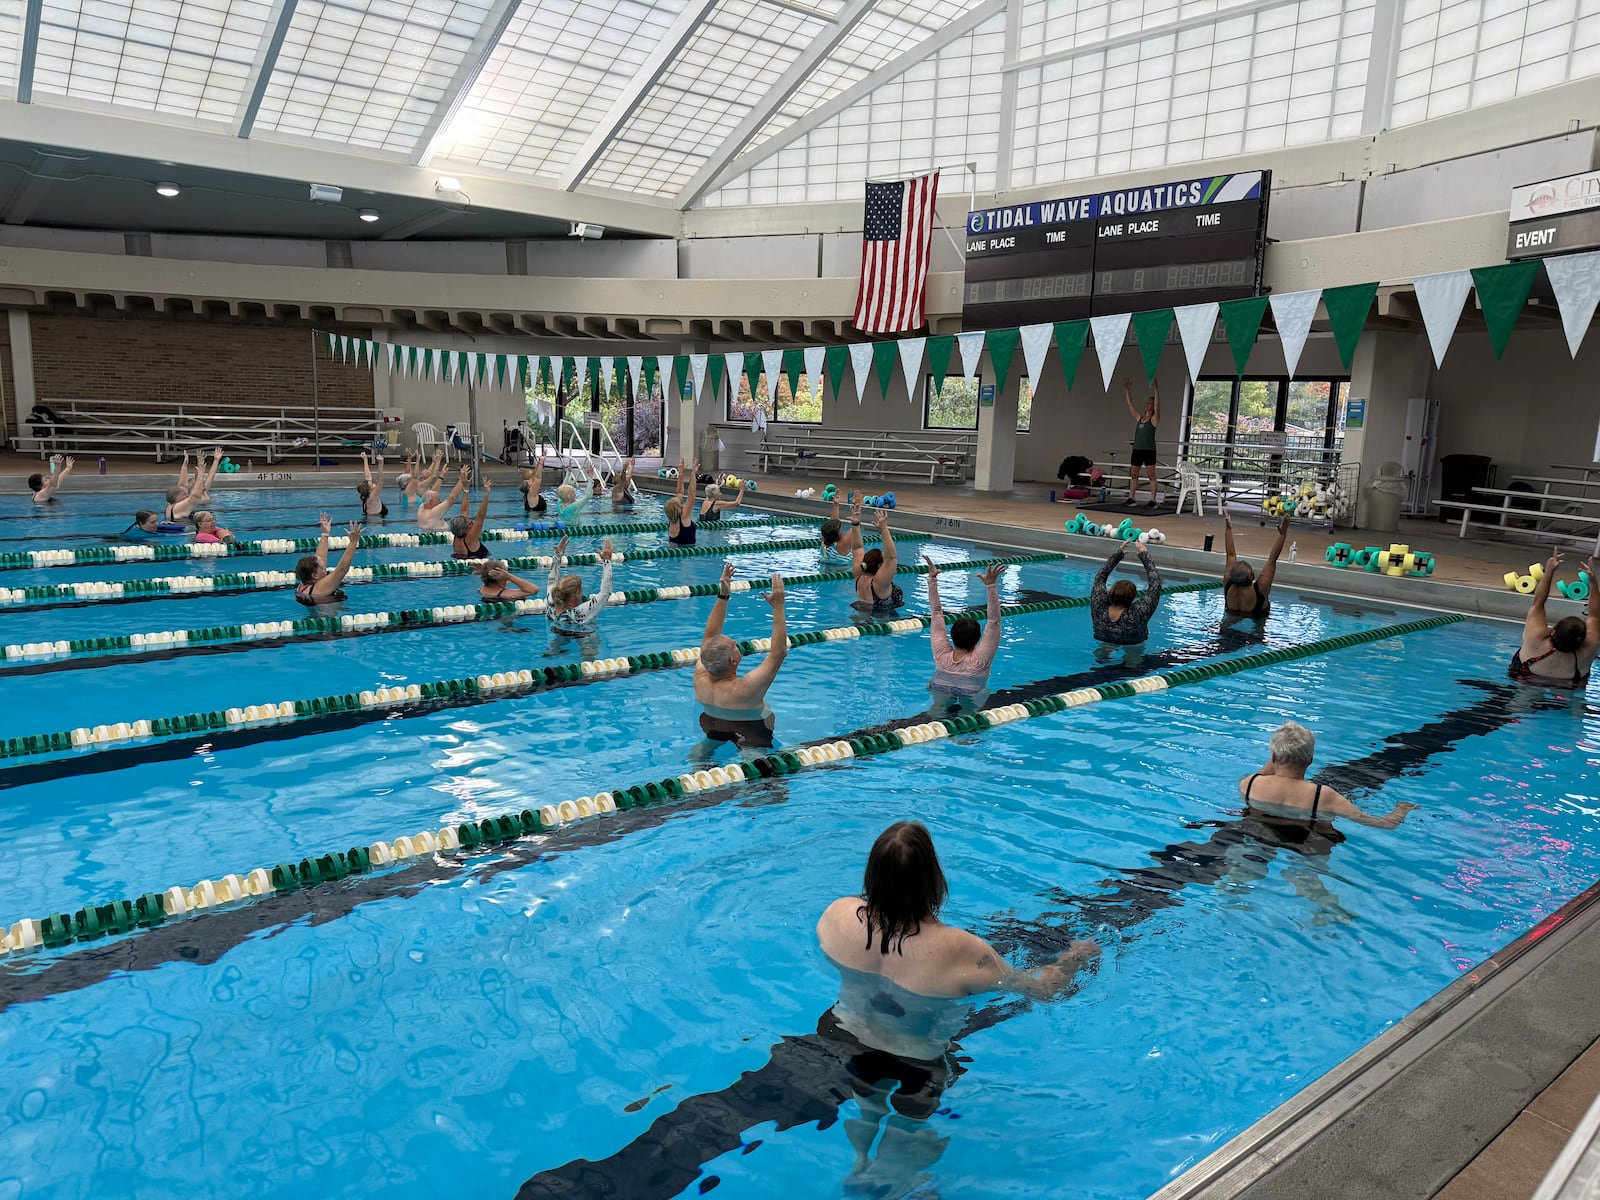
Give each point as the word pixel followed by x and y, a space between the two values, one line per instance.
pixel 904 980
pixel 1558 655
pixel 735 709
pixel 1244 594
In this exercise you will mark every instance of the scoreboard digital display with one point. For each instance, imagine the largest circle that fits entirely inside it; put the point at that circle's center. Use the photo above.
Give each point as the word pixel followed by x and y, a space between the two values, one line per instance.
pixel 1110 252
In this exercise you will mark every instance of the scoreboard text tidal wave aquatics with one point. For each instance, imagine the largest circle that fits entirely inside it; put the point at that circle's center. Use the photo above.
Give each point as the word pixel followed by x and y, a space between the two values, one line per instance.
pixel 1116 251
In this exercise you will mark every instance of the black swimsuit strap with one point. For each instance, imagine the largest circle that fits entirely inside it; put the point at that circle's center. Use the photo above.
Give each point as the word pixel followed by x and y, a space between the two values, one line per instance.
pixel 1250 783
pixel 1316 799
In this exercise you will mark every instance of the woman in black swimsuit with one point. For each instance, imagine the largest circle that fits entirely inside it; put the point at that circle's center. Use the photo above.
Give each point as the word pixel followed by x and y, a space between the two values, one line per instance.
pixel 315 584
pixel 500 584
pixel 1559 655
pixel 680 509
pixel 1243 592
pixel 468 534
pixel 370 491
pixel 1280 795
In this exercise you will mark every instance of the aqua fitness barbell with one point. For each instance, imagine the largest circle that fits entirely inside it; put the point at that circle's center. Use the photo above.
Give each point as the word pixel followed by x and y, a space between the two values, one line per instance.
pixel 94 921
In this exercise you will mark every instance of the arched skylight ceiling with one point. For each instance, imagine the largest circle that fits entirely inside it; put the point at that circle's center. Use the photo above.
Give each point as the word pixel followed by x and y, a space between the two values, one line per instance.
pixel 728 102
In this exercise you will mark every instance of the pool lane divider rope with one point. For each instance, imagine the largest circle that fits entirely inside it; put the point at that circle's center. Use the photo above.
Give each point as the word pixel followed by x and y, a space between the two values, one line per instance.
pixel 260 581
pixel 496 686
pixel 139 552
pixel 153 908
pixel 399 620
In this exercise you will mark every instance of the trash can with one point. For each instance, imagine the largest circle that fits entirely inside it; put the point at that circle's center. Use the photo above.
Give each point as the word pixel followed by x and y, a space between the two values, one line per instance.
pixel 1384 498
pixel 708 450
pixel 1458 475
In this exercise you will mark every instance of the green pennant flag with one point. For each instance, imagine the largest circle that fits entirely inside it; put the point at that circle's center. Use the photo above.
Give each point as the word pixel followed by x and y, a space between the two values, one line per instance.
pixel 714 365
pixel 1002 348
pixel 410 361
pixel 794 362
pixel 544 382
pixel 837 358
pixel 680 372
pixel 1152 328
pixel 427 364
pixel 1071 338
pixel 884 356
pixel 1347 314
pixel 939 351
pixel 594 377
pixel 752 371
pixel 1502 291
pixel 500 370
pixel 1241 320
pixel 569 368
pixel 650 371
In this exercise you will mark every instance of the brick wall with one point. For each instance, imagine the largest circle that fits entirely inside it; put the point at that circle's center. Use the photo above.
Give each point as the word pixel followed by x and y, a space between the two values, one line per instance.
pixel 189 362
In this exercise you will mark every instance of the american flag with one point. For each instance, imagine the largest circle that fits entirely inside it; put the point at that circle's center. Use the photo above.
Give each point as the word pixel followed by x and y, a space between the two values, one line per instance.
pixel 897 242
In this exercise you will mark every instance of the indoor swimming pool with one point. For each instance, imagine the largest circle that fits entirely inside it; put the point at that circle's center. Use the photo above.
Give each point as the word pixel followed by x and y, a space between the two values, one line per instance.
pixel 631 1004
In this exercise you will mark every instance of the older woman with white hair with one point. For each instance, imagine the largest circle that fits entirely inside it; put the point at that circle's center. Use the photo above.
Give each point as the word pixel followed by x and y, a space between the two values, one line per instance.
pixel 1281 794
pixel 734 707
pixel 714 505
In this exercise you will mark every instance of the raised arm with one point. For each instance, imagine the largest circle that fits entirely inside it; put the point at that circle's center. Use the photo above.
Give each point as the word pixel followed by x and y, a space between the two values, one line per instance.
pixel 1127 398
pixel 855 523
pixel 1155 393
pixel 342 568
pixel 61 468
pixel 366 468
pixel 378 490
pixel 1145 605
pixel 719 610
pixel 891 561
pixel 216 465
pixel 183 472
pixel 989 643
pixel 322 542
pixel 735 502
pixel 557 561
pixel 1538 623
pixel 461 482
pixel 476 528
pixel 678 483
pixel 1227 542
pixel 938 635
pixel 1271 569
pixel 1592 638
pixel 693 485
pixel 1097 590
pixel 592 606
pixel 1339 806
pixel 762 675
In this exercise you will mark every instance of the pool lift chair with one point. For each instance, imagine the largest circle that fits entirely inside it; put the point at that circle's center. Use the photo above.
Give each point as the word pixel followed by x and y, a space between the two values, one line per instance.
pixel 584 465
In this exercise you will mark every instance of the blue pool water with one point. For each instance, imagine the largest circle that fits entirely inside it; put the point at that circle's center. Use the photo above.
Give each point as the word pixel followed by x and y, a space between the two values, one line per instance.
pixel 465 1028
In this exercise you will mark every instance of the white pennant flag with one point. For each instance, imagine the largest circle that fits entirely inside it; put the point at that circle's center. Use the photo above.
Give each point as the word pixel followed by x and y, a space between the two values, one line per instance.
pixel 697 373
pixel 1196 323
pixel 1440 298
pixel 1035 344
pixel 861 366
pixel 1110 334
pixel 394 353
pixel 636 372
pixel 1292 313
pixel 814 356
pixel 772 368
pixel 664 368
pixel 735 364
pixel 911 363
pixel 1575 279
pixel 608 372
pixel 344 347
pixel 971 347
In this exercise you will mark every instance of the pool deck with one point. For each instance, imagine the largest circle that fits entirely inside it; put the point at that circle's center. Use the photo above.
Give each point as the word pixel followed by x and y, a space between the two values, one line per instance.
pixel 1470 1098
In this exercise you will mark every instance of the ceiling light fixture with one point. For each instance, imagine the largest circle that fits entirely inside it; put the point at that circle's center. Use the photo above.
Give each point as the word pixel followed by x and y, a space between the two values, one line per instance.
pixel 369 215
pixel 167 189
pixel 447 183
pixel 326 193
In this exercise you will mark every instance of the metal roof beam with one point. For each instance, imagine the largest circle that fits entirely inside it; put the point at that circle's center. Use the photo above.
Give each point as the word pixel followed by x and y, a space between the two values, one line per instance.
pixel 649 72
pixel 477 57
pixel 777 95
pixel 896 66
pixel 26 56
pixel 261 70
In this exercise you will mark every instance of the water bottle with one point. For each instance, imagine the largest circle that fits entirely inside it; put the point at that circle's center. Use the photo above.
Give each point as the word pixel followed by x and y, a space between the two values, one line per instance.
pixel 1294 550
pixel 102 464
pixel 1104 492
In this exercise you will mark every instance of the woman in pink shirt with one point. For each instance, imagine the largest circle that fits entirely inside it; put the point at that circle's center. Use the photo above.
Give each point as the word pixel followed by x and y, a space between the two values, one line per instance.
pixel 964 655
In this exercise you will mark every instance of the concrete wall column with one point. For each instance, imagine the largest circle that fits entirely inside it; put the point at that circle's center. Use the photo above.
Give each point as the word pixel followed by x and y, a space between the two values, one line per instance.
pixel 997 437
pixel 1389 369
pixel 24 392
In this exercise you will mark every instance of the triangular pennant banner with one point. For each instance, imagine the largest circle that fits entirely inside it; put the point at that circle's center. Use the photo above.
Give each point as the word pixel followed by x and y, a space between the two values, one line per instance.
pixel 680 376
pixel 664 376
pixel 1440 298
pixel 752 372
pixel 1502 291
pixel 911 363
pixel 793 363
pixel 1035 345
pixel 1071 338
pixel 735 365
pixel 592 376
pixel 1109 333
pixel 971 347
pixel 1241 321
pixel 546 381
pixel 939 351
pixel 1347 309
pixel 697 372
pixel 1002 348
pixel 1292 313
pixel 635 373
pixel 394 356
pixel 771 367
pixel 883 356
pixel 1196 322
pixel 1151 329
pixel 837 359
pixel 815 356
pixel 608 372
pixel 1575 279
pixel 860 366
pixel 714 368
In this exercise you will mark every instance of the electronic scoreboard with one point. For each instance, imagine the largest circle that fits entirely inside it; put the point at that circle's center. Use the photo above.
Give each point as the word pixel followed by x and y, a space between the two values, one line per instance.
pixel 1160 246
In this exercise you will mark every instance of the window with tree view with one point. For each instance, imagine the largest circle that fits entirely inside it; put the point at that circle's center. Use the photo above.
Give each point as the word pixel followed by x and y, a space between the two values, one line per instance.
pixel 802 408
pixel 1241 424
pixel 956 405
pixel 634 424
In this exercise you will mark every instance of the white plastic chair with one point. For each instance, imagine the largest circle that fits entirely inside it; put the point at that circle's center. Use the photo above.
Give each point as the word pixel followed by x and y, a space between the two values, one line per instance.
pixel 1197 483
pixel 427 438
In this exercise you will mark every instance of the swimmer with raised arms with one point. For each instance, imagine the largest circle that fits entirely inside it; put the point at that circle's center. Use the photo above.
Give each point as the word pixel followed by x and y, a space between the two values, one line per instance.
pixel 1562 654
pixel 735 708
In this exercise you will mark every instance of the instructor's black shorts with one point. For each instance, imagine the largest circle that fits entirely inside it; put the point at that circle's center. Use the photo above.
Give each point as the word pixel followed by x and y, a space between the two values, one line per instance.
pixel 1144 458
